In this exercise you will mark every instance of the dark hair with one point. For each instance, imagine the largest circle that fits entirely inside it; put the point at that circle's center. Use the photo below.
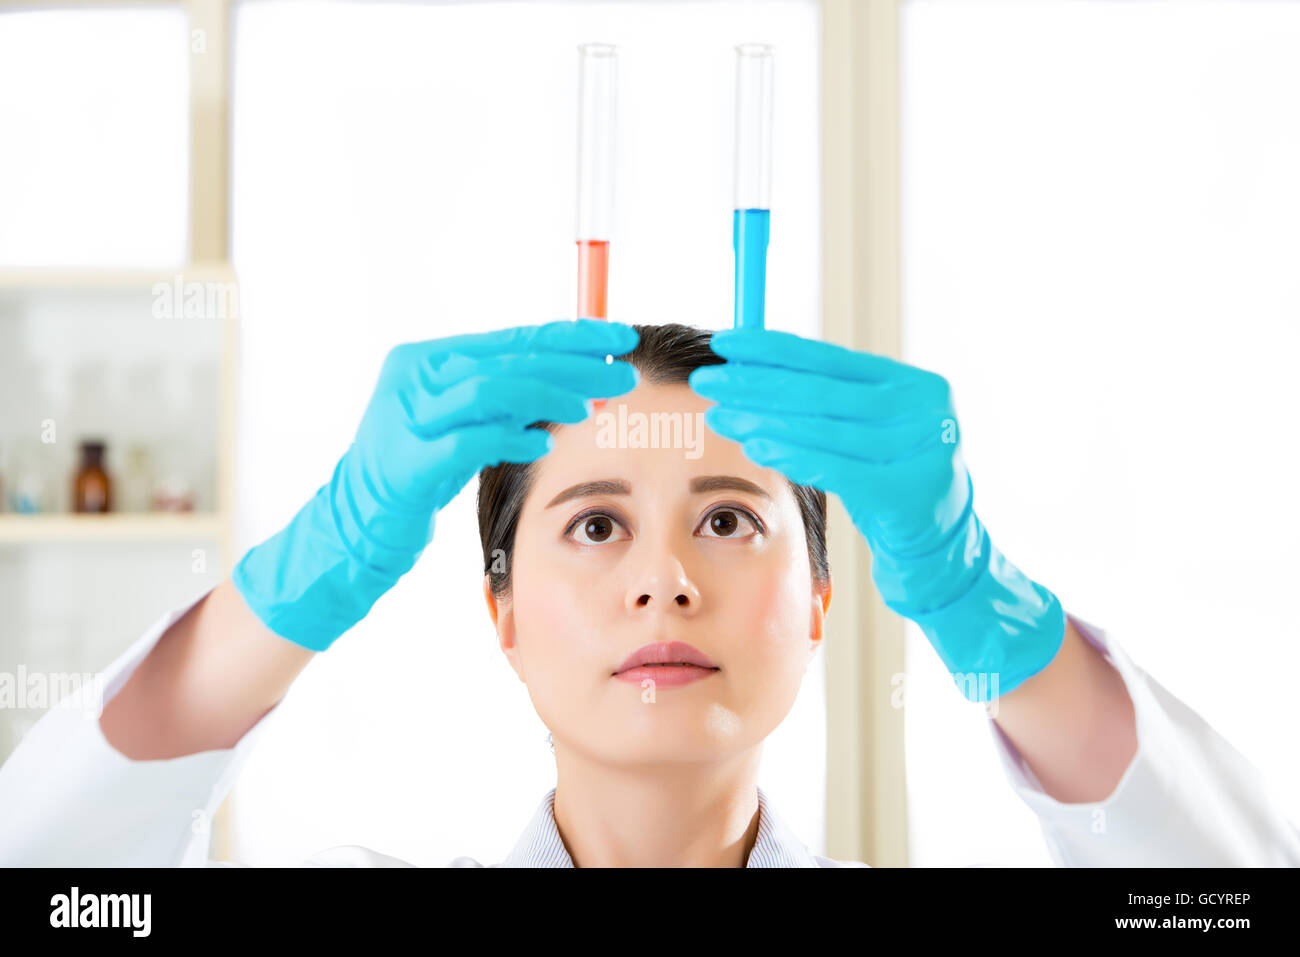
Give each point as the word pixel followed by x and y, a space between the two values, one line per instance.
pixel 666 354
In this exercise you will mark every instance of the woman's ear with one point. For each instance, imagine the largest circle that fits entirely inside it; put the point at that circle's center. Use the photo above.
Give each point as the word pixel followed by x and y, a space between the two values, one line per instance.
pixel 490 598
pixel 820 606
pixel 502 612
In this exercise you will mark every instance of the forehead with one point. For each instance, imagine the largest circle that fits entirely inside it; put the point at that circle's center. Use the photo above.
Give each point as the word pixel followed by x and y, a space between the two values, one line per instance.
pixel 654 436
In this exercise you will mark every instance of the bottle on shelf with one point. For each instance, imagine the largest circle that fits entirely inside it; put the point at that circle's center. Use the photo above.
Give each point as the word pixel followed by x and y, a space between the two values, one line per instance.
pixel 136 480
pixel 92 490
pixel 27 484
pixel 173 489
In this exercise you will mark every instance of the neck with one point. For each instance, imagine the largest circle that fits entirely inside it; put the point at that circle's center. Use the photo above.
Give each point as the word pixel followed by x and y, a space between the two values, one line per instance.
pixel 660 815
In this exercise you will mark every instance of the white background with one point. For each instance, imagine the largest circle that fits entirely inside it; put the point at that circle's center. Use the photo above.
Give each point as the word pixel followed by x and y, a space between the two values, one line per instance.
pixel 94 143
pixel 1100 237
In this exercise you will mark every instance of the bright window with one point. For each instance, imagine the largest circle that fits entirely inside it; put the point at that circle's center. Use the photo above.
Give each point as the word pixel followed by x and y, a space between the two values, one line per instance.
pixel 1100 210
pixel 94 109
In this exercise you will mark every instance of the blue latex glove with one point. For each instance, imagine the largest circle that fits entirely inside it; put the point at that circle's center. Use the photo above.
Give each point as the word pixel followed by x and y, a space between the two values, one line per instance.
pixel 882 435
pixel 442 410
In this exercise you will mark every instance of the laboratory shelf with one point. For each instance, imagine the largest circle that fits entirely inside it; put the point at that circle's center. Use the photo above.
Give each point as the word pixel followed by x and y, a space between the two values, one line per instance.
pixel 36 278
pixel 167 527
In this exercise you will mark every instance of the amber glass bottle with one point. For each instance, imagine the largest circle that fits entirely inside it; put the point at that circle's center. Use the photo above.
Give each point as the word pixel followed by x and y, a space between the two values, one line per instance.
pixel 92 491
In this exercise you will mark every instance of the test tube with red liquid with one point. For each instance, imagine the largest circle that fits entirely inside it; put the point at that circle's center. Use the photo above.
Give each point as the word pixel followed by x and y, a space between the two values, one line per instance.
pixel 597 78
pixel 597 83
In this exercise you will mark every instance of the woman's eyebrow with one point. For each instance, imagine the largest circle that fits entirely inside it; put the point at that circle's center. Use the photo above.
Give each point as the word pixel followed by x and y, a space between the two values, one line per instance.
pixel 603 487
pixel 703 483
pixel 714 483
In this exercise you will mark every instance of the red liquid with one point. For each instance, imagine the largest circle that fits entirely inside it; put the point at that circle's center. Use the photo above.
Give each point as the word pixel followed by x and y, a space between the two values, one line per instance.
pixel 593 278
pixel 593 285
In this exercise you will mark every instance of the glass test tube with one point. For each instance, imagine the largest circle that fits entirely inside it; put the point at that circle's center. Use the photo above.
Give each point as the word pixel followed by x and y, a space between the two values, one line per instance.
pixel 596 103
pixel 751 222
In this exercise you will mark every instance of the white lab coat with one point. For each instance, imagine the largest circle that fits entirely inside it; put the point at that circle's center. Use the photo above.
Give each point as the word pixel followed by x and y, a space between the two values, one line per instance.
pixel 67 797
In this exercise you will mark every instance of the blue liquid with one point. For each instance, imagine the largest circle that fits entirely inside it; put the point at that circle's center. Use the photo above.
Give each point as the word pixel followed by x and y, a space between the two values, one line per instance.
pixel 750 229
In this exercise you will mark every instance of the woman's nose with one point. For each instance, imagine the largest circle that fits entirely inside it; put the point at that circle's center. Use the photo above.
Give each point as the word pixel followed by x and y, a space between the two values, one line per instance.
pixel 663 585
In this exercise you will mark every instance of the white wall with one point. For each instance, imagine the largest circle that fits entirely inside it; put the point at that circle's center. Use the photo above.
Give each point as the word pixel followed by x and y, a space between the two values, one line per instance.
pixel 1100 209
pixel 94 143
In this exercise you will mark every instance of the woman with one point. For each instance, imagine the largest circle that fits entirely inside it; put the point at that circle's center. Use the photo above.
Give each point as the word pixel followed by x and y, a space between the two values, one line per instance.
pixel 661 600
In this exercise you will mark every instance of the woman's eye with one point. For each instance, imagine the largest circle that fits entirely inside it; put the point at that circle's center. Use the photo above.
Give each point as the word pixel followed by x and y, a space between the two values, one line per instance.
pixel 596 530
pixel 729 523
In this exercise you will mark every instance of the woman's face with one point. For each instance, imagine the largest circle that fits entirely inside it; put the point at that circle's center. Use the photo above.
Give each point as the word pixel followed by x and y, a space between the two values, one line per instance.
pixel 621 544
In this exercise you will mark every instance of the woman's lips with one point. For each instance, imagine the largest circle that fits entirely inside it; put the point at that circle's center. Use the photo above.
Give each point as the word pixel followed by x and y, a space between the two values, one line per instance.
pixel 666 664
pixel 665 676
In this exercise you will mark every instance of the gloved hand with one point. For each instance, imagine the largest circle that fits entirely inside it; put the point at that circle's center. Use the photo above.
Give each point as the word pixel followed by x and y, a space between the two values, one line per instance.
pixel 883 436
pixel 442 410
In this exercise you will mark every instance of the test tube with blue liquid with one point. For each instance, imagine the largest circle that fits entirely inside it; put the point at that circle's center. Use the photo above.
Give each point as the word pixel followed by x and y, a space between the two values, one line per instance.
pixel 751 222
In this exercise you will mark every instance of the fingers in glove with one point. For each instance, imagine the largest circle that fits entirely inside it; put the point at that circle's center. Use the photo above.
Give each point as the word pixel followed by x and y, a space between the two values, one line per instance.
pixel 767 389
pixel 589 376
pixel 482 400
pixel 591 337
pixel 783 349
pixel 871 444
